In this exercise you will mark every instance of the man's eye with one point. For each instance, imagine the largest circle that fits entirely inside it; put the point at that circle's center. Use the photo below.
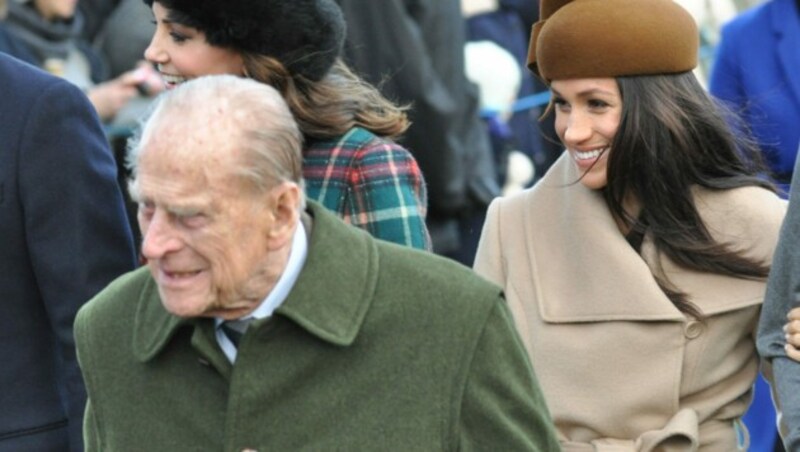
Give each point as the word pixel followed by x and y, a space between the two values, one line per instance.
pixel 194 220
pixel 147 208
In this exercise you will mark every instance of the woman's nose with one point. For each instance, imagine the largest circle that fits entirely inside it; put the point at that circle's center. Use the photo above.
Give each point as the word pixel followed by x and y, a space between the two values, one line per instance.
pixel 579 129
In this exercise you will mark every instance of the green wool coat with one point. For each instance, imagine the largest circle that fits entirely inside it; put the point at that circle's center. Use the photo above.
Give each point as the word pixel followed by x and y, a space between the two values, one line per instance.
pixel 378 347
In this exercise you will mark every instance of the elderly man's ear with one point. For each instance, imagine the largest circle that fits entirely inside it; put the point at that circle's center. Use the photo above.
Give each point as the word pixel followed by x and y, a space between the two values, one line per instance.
pixel 284 202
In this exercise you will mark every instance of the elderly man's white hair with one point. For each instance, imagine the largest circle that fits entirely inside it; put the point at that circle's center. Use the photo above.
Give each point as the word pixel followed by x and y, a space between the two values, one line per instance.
pixel 252 116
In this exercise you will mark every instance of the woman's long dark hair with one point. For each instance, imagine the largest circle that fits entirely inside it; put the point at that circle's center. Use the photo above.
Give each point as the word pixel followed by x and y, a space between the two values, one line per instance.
pixel 330 107
pixel 672 137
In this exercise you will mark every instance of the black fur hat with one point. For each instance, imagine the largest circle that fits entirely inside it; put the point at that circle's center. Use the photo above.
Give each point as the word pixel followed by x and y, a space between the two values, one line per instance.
pixel 306 36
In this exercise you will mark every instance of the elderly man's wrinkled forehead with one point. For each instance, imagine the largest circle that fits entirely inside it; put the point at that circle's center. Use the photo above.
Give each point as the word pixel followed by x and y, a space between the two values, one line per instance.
pixel 196 131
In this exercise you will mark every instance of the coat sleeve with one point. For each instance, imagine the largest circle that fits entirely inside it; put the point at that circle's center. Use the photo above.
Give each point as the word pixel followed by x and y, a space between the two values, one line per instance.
pixel 387 195
pixel 783 294
pixel 503 407
pixel 77 231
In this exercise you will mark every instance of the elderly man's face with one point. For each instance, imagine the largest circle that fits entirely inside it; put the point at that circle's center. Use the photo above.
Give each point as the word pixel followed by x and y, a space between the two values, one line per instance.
pixel 205 234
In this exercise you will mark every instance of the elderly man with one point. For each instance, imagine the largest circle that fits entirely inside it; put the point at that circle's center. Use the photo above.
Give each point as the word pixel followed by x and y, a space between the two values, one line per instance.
pixel 266 325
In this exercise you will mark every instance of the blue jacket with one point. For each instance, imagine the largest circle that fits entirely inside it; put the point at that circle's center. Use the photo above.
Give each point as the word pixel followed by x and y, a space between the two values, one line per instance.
pixel 63 236
pixel 757 71
pixel 11 45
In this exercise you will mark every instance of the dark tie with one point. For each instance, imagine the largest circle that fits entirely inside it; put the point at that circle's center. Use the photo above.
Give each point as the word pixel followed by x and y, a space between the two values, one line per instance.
pixel 235 329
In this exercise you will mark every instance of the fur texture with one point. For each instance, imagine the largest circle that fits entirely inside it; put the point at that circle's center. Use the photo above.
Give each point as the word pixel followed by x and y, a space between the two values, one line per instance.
pixel 306 36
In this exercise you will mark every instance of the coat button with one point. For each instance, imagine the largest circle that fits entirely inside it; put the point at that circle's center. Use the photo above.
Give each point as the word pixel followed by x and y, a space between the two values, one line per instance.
pixel 693 329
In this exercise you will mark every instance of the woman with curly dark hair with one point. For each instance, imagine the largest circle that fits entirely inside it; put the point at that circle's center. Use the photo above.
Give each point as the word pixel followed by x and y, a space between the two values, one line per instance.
pixel 636 267
pixel 351 164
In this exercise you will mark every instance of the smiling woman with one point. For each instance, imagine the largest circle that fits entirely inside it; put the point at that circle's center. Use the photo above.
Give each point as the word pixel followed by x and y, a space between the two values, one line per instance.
pixel 587 117
pixel 645 247
pixel 182 52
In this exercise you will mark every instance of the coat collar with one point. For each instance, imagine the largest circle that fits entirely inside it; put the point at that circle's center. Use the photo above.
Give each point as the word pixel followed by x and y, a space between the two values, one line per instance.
pixel 329 300
pixel 785 20
pixel 337 284
pixel 563 215
pixel 574 234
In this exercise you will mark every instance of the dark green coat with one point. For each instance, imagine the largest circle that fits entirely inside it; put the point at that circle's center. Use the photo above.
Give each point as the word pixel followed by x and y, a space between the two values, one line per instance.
pixel 378 347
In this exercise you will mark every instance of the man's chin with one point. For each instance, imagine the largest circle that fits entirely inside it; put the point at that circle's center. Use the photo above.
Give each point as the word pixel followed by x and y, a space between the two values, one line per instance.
pixel 185 307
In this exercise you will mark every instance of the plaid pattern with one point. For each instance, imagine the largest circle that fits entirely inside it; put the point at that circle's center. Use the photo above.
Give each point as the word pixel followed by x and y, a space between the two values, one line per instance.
pixel 371 183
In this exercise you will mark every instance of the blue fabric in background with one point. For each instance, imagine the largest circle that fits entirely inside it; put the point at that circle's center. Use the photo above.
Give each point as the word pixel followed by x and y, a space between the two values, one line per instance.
pixel 760 419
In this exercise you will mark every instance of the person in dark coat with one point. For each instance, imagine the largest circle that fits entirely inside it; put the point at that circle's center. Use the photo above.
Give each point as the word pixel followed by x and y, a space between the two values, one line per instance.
pixel 47 34
pixel 778 342
pixel 503 25
pixel 414 51
pixel 63 237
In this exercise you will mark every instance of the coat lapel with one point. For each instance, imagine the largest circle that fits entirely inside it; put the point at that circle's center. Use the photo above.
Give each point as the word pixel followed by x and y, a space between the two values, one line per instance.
pixel 583 268
pixel 330 298
pixel 337 284
pixel 153 325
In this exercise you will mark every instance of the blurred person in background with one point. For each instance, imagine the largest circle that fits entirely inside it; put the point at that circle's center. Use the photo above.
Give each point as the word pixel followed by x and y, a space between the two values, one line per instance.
pixel 47 34
pixel 414 51
pixel 507 23
pixel 757 73
pixel 124 35
pixel 497 75
pixel 63 237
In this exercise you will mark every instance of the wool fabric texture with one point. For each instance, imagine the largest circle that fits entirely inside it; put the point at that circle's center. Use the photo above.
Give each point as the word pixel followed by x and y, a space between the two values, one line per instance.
pixel 612 38
pixel 306 36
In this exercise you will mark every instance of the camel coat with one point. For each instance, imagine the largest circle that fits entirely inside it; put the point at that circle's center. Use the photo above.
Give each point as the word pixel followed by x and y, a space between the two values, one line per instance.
pixel 621 368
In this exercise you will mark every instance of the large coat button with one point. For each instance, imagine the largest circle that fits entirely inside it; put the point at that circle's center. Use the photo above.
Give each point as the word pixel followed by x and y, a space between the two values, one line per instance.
pixel 693 329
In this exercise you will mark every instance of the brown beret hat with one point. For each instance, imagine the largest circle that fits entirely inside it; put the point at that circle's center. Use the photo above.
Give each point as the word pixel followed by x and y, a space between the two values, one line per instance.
pixel 611 38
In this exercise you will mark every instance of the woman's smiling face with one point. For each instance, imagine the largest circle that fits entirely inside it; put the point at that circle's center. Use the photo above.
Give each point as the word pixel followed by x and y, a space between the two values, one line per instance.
pixel 182 52
pixel 588 113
